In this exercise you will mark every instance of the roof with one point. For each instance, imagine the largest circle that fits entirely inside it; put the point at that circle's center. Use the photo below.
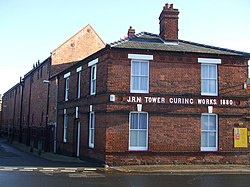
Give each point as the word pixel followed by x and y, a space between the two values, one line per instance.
pixel 149 41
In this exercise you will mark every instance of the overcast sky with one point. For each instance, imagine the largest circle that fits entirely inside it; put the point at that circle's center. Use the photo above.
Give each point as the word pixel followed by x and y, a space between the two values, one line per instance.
pixel 31 29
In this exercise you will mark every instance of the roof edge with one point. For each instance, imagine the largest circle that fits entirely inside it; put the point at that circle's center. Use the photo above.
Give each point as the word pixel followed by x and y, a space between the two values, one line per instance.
pixel 217 48
pixel 130 37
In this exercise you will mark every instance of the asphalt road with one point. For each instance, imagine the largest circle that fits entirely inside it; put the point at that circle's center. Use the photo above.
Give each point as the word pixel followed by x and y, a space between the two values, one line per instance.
pixel 94 178
pixel 19 169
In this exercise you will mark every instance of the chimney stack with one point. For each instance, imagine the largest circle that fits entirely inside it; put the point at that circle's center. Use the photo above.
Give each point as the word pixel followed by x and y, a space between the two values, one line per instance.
pixel 169 23
pixel 131 31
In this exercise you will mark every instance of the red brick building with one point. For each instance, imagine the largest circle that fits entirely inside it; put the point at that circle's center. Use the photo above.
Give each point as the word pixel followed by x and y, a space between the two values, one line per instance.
pixel 30 106
pixel 156 99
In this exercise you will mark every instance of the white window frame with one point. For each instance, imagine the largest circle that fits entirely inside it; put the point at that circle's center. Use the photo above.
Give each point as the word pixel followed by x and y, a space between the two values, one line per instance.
pixel 78 70
pixel 138 148
pixel 65 125
pixel 93 80
pixel 210 79
pixel 216 133
pixel 210 62
pixel 140 76
pixel 91 129
pixel 66 77
pixel 77 112
pixel 67 89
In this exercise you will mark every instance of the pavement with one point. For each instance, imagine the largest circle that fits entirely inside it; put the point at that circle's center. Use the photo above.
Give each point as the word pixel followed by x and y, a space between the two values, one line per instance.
pixel 17 156
pixel 46 155
pixel 185 169
pixel 76 165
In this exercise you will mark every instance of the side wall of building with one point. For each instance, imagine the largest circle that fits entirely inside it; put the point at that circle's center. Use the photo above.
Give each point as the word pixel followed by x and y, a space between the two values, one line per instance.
pixel 174 105
pixel 86 103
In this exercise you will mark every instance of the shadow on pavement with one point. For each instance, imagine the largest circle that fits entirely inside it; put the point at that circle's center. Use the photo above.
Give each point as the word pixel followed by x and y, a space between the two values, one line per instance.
pixel 19 155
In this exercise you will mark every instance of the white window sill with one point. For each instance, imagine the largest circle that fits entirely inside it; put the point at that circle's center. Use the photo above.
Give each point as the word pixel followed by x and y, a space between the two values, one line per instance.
pixel 209 149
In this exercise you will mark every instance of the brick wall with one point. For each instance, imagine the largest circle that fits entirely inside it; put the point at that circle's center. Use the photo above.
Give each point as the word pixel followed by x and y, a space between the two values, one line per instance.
pixel 76 48
pixel 174 132
pixel 79 46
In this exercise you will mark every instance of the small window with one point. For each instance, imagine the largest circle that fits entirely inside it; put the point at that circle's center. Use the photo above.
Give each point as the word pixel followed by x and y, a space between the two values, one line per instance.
pixel 91 129
pixel 139 76
pixel 138 131
pixel 93 80
pixel 209 132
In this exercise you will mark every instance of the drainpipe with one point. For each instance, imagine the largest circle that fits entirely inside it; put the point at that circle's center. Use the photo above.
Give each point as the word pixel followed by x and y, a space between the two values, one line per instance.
pixel 13 118
pixel 21 112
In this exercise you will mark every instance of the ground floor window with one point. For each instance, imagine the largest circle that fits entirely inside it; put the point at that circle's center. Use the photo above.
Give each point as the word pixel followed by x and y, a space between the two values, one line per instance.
pixel 209 132
pixel 65 124
pixel 138 131
pixel 91 129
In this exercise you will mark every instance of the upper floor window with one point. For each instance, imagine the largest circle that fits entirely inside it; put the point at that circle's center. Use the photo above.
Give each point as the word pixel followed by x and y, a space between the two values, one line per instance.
pixel 139 76
pixel 209 76
pixel 139 81
pixel 66 77
pixel 93 67
pixel 93 80
pixel 79 82
pixel 67 89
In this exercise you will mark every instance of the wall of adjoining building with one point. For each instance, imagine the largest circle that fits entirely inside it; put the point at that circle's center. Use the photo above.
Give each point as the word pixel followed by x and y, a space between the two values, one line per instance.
pixel 29 115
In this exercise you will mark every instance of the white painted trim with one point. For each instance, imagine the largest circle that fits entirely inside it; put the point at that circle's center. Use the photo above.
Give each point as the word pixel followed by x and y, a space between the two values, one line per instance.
pixel 93 62
pixel 210 109
pixel 209 60
pixel 79 69
pixel 112 98
pixel 139 107
pixel 66 75
pixel 77 112
pixel 140 57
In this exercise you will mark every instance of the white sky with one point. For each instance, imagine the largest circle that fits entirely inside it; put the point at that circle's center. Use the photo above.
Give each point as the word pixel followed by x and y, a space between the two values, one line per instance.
pixel 30 30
